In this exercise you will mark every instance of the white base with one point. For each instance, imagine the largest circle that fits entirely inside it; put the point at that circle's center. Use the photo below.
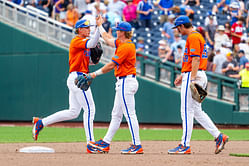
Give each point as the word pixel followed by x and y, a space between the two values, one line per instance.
pixel 36 149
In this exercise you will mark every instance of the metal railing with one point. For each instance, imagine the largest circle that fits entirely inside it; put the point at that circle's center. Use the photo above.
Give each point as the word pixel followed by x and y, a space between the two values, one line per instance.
pixel 219 86
pixel 35 21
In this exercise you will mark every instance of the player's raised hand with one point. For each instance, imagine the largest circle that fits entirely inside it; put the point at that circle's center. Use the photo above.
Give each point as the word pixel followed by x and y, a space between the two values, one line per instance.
pixel 99 20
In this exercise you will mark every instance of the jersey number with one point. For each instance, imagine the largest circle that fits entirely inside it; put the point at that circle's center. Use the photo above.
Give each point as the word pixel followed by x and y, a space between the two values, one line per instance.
pixel 185 57
pixel 86 53
pixel 204 53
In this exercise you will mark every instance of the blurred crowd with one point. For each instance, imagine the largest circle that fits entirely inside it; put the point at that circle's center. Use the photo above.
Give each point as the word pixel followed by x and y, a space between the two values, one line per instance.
pixel 228 43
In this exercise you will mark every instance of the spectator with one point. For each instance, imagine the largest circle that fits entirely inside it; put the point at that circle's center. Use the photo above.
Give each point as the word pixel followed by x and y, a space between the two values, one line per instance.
pixel 107 24
pixel 243 60
pixel 219 59
pixel 97 8
pixel 72 15
pixel 178 55
pixel 210 32
pixel 61 5
pixel 245 47
pixel 81 7
pixel 88 16
pixel 201 30
pixel 228 29
pixel 45 5
pixel 230 67
pixel 207 19
pixel 244 75
pixel 220 37
pixel 56 11
pixel 18 2
pixel 168 32
pixel 237 31
pixel 175 46
pixel 183 10
pixel 144 9
pixel 210 61
pixel 247 22
pixel 235 12
pixel 162 52
pixel 226 48
pixel 130 14
pixel 221 6
pixel 165 6
pixel 114 18
pixel 116 6
pixel 162 43
pixel 236 50
pixel 165 53
pixel 140 44
pixel 192 2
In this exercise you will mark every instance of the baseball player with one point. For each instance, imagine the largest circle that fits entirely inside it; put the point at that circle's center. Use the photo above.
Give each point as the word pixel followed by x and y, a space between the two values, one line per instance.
pixel 123 63
pixel 79 57
pixel 193 70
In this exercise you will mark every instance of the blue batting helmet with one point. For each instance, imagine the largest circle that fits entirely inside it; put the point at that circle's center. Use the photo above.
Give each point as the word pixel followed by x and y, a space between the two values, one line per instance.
pixel 181 20
pixel 82 24
pixel 123 26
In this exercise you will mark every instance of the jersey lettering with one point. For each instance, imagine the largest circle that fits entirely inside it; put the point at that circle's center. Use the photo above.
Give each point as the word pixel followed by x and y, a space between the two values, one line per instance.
pixel 204 53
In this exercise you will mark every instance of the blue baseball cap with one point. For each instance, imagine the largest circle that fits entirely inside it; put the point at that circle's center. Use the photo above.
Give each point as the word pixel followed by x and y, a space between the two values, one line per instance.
pixel 82 24
pixel 123 26
pixel 88 12
pixel 181 20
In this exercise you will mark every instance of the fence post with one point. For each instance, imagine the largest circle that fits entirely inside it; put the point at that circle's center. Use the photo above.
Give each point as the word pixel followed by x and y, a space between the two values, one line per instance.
pixel 157 70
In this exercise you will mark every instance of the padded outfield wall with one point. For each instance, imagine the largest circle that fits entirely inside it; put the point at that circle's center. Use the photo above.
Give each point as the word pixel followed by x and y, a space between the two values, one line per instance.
pixel 33 83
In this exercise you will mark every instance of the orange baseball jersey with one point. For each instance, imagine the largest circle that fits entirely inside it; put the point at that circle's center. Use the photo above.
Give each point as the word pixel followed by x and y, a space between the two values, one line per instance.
pixel 125 58
pixel 195 47
pixel 79 55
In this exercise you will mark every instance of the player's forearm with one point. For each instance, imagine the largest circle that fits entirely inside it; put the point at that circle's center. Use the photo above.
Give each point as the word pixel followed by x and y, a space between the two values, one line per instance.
pixel 195 67
pixel 105 69
pixel 93 41
pixel 107 37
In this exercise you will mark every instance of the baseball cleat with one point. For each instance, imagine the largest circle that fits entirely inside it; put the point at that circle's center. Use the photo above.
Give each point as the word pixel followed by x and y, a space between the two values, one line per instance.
pixel 221 140
pixel 180 149
pixel 134 149
pixel 38 126
pixel 90 149
pixel 101 145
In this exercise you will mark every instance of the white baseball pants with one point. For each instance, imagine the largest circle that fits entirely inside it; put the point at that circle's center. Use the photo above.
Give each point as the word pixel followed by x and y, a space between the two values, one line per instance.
pixel 124 103
pixel 78 99
pixel 191 109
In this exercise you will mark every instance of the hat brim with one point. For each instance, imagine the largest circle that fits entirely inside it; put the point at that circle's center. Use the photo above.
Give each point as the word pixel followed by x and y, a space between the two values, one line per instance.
pixel 174 27
pixel 115 28
pixel 118 29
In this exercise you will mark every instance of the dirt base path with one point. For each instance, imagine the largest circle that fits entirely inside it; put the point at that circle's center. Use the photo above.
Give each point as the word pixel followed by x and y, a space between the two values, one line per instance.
pixel 74 154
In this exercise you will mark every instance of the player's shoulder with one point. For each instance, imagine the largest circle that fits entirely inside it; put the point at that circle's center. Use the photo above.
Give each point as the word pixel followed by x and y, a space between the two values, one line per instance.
pixel 195 36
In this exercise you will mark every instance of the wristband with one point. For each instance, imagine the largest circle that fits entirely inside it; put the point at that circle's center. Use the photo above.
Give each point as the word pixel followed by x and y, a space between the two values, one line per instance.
pixel 98 72
pixel 101 29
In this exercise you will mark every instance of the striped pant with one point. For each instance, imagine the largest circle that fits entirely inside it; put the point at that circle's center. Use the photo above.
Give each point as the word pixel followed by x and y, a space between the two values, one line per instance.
pixel 191 109
pixel 78 99
pixel 124 104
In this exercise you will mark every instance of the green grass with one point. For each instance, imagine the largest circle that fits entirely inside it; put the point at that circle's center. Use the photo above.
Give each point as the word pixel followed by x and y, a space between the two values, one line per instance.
pixel 52 134
pixel 239 154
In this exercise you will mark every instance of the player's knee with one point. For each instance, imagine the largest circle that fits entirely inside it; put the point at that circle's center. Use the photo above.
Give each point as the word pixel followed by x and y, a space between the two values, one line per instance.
pixel 74 113
pixel 117 116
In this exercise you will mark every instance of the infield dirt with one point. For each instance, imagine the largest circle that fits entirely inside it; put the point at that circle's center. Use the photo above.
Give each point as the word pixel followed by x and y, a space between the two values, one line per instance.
pixel 74 154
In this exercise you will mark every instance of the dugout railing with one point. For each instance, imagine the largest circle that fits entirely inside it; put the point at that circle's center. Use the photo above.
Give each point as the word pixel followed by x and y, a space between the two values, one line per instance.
pixel 35 21
pixel 219 86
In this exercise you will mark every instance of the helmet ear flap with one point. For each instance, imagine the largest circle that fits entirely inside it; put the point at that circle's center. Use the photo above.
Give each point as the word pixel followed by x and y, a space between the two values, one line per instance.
pixel 77 31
